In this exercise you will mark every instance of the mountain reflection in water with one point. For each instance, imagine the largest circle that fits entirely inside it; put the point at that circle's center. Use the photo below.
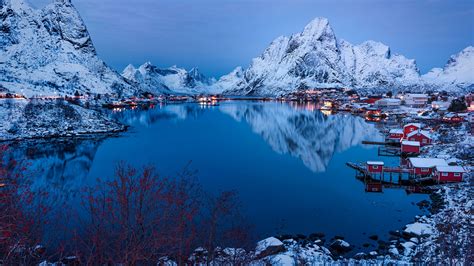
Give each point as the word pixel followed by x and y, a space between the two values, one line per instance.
pixel 305 133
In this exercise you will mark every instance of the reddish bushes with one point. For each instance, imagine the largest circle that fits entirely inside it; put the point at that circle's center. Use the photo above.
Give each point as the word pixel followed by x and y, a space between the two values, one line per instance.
pixel 135 218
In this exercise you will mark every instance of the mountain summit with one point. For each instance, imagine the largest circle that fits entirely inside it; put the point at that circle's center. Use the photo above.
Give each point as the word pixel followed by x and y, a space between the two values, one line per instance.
pixel 457 73
pixel 315 58
pixel 49 51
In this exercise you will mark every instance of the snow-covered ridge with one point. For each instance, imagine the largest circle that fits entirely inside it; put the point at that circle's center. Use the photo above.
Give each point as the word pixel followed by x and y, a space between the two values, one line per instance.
pixel 168 80
pixel 315 58
pixel 457 73
pixel 49 51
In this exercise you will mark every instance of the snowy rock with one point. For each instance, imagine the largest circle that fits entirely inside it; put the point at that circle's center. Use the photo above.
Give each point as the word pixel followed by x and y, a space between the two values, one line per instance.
pixel 419 229
pixel 49 51
pixel 393 251
pixel 269 246
pixel 340 246
pixel 408 247
pixel 281 259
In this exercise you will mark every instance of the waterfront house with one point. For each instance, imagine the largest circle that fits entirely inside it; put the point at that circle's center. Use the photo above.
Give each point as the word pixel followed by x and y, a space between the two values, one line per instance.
pixel 375 167
pixel 448 173
pixel 388 103
pixel 453 118
pixel 408 128
pixel 422 136
pixel 395 134
pixel 410 146
pixel 415 99
pixel 425 166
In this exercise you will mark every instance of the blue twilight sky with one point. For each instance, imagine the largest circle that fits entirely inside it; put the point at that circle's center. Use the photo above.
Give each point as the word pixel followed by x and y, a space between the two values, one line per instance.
pixel 218 35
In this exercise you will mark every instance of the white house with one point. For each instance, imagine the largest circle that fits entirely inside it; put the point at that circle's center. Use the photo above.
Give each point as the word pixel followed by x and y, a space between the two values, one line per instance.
pixel 415 99
pixel 388 103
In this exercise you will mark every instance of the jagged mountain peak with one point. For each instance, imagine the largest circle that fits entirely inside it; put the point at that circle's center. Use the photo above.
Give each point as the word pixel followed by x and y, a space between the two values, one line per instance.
pixel 318 29
pixel 49 51
pixel 456 74
pixel 315 58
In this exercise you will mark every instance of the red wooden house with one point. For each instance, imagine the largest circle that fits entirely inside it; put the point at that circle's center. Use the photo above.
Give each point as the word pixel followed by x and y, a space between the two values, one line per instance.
pixel 375 167
pixel 422 136
pixel 408 128
pixel 425 166
pixel 395 134
pixel 408 146
pixel 448 173
pixel 453 118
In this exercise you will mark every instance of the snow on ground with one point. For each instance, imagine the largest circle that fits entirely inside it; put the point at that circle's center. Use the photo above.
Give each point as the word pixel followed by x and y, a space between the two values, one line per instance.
pixel 419 229
pixel 45 118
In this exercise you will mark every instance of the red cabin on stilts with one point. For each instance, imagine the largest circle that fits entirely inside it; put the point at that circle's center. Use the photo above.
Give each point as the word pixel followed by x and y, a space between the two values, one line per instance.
pixel 410 147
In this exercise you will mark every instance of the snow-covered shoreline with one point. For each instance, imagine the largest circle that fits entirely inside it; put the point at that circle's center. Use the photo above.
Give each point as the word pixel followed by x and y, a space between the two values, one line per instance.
pixel 32 119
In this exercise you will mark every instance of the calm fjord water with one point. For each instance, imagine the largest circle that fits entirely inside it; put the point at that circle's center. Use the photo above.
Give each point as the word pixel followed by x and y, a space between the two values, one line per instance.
pixel 286 163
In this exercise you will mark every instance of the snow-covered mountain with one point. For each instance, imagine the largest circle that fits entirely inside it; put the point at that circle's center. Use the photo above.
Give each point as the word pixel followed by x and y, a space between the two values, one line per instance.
pixel 457 73
pixel 315 58
pixel 167 80
pixel 49 51
pixel 309 136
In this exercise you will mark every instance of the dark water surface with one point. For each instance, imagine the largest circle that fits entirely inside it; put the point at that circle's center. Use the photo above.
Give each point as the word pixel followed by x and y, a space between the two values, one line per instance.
pixel 286 163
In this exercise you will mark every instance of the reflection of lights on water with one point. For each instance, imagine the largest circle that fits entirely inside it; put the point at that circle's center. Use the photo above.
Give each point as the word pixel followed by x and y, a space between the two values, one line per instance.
pixel 326 112
pixel 207 104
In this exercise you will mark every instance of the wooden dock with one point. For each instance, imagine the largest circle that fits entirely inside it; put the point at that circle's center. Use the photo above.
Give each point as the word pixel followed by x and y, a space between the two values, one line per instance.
pixel 385 143
pixel 375 182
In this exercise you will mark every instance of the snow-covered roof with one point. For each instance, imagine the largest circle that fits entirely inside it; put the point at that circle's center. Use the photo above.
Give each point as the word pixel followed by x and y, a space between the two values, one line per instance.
pixel 396 131
pixel 375 163
pixel 427 162
pixel 450 115
pixel 388 101
pixel 416 95
pixel 413 124
pixel 423 132
pixel 450 169
pixel 411 143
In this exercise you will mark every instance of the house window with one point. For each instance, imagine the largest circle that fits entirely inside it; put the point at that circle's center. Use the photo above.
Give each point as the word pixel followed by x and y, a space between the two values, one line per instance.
pixel 457 174
pixel 425 141
pixel 444 174
pixel 425 169
pixel 375 167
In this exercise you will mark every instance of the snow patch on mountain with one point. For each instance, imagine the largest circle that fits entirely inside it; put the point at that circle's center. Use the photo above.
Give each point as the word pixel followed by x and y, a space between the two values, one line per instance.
pixel 49 51
pixel 168 80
